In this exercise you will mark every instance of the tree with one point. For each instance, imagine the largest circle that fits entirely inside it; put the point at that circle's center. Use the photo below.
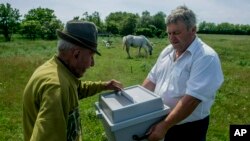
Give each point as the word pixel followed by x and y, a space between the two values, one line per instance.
pixel 95 18
pixel 225 28
pixel 49 29
pixel 114 22
pixel 124 22
pixel 47 20
pixel 144 31
pixel 145 20
pixel 30 29
pixel 159 21
pixel 129 24
pixel 145 25
pixel 112 27
pixel 209 28
pixel 159 24
pixel 9 20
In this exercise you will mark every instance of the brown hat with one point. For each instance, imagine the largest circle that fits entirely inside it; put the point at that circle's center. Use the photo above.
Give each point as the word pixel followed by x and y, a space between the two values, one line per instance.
pixel 81 33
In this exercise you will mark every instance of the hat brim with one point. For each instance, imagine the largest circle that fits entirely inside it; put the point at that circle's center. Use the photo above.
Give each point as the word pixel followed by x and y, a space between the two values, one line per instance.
pixel 74 40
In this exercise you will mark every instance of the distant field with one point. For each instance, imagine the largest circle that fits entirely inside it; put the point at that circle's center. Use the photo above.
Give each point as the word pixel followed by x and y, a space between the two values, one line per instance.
pixel 18 60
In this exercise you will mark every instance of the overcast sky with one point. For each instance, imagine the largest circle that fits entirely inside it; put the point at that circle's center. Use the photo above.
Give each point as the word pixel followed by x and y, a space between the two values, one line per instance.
pixel 216 11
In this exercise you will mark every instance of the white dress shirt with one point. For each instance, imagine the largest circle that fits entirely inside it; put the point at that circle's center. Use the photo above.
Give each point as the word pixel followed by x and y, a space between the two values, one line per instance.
pixel 197 72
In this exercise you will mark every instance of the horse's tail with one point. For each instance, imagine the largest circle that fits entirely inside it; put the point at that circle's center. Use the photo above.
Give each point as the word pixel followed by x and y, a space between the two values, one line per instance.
pixel 124 42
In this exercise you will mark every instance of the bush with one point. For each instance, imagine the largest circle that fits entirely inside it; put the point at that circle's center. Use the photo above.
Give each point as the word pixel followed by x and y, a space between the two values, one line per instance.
pixel 144 31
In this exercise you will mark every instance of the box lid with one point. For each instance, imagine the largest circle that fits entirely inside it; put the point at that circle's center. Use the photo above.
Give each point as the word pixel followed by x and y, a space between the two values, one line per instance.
pixel 129 103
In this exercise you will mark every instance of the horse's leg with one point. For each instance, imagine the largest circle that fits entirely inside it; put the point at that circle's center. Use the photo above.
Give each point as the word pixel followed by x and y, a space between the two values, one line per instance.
pixel 139 51
pixel 146 51
pixel 127 50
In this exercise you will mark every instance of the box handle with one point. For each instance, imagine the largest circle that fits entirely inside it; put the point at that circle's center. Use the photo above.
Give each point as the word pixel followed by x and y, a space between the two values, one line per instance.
pixel 98 112
pixel 127 96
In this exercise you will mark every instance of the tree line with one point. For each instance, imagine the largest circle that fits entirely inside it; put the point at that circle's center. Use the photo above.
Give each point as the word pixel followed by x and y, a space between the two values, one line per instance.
pixel 42 23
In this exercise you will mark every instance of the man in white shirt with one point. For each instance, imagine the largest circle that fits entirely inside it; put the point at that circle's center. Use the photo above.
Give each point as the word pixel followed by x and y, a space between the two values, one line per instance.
pixel 186 75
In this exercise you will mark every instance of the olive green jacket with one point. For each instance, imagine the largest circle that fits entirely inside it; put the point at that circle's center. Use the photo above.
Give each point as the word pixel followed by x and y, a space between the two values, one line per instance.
pixel 50 103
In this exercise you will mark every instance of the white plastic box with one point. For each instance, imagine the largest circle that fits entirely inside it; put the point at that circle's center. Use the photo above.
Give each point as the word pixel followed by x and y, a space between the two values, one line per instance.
pixel 127 115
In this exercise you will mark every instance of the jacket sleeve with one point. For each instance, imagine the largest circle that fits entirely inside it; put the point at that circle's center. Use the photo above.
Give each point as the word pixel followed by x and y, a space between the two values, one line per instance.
pixel 89 88
pixel 50 124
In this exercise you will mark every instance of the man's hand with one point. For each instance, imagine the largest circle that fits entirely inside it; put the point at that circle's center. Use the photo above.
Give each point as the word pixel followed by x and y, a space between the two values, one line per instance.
pixel 113 85
pixel 157 132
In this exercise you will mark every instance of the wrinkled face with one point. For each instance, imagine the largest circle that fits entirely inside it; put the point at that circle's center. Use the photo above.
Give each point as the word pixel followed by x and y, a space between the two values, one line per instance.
pixel 82 60
pixel 179 36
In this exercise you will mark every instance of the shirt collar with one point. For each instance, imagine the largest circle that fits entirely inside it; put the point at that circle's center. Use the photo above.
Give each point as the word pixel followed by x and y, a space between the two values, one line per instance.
pixel 191 49
pixel 193 46
pixel 64 66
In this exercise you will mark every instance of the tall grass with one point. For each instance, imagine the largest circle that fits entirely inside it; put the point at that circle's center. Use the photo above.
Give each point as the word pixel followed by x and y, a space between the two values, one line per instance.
pixel 18 60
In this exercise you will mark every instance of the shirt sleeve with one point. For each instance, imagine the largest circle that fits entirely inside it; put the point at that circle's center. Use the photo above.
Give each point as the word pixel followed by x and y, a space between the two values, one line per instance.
pixel 89 88
pixel 205 78
pixel 154 73
pixel 50 124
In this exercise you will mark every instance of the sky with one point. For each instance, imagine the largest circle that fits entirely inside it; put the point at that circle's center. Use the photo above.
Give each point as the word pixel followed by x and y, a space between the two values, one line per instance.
pixel 215 11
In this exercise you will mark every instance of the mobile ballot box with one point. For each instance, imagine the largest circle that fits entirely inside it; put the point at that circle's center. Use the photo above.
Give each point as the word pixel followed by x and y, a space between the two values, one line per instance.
pixel 128 114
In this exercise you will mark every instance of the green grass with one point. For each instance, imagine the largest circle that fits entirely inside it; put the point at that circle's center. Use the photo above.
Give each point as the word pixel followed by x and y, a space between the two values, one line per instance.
pixel 18 60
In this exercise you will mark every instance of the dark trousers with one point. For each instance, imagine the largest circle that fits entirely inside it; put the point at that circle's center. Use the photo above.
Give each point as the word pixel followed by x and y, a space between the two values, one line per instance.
pixel 191 131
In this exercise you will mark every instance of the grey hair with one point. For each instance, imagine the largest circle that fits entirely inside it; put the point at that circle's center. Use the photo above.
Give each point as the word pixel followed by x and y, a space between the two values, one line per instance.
pixel 182 13
pixel 63 45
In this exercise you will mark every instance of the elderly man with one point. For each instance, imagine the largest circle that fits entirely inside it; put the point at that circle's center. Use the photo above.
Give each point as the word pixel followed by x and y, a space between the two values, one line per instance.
pixel 186 75
pixel 50 100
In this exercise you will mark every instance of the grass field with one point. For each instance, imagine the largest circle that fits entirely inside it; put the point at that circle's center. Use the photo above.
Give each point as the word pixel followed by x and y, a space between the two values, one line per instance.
pixel 18 60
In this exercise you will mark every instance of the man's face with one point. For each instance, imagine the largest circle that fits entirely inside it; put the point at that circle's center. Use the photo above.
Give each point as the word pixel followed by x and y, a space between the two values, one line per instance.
pixel 82 60
pixel 179 36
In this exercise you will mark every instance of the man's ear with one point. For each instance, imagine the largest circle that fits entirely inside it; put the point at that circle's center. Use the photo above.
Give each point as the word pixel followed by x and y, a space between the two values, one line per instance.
pixel 194 29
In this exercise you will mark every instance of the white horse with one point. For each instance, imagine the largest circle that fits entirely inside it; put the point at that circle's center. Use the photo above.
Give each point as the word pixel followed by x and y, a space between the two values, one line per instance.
pixel 137 41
